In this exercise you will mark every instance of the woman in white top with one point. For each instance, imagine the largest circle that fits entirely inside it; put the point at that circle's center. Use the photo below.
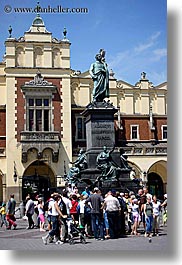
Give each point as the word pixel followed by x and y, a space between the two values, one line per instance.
pixel 135 215
pixel 41 215
pixel 156 212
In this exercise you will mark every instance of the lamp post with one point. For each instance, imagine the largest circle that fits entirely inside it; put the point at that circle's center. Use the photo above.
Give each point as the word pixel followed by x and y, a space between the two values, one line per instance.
pixel 144 178
pixel 59 177
pixel 15 177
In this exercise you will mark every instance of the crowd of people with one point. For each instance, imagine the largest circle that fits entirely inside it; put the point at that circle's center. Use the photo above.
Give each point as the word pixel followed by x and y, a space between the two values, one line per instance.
pixel 100 216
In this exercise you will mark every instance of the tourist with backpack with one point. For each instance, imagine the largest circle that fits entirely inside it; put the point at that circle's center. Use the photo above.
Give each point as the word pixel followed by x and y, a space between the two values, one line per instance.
pixel 56 213
pixel 148 211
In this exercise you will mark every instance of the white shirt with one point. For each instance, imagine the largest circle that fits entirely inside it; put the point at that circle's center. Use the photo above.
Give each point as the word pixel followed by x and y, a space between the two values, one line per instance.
pixel 54 211
pixel 112 203
pixel 82 206
pixel 51 202
pixel 156 208
pixel 68 204
pixel 41 211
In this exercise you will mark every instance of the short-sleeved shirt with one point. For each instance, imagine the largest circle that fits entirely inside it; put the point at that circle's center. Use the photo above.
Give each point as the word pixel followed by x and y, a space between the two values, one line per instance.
pixel 112 203
pixel 96 201
pixel 156 208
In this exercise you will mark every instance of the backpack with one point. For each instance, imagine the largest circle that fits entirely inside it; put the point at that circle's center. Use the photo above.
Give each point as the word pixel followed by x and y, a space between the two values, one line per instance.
pixel 62 207
pixel 45 207
pixel 78 208
pixel 122 204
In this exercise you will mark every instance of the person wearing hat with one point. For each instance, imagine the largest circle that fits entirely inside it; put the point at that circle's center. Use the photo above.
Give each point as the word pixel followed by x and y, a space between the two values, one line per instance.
pixel 3 215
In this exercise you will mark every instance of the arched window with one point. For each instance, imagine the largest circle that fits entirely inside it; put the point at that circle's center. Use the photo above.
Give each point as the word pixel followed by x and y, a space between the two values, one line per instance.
pixel 38 57
pixel 19 56
pixel 56 58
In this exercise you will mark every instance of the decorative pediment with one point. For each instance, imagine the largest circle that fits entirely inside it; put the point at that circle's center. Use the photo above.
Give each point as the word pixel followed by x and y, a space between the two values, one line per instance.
pixel 123 85
pixel 38 81
pixel 55 40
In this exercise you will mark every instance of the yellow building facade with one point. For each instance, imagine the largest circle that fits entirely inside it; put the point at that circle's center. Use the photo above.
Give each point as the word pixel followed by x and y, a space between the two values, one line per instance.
pixel 41 103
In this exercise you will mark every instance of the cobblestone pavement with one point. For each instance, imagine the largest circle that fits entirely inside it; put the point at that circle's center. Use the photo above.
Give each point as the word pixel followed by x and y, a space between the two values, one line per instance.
pixel 22 239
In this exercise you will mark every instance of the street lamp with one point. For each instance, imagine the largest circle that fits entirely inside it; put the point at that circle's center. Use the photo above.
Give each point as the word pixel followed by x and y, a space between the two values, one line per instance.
pixel 59 177
pixel 15 177
pixel 144 178
pixel 65 174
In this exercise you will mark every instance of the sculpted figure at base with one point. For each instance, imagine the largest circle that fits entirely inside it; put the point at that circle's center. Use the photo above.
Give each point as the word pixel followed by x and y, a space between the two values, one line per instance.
pixel 100 75
pixel 124 162
pixel 79 164
pixel 106 164
pixel 81 161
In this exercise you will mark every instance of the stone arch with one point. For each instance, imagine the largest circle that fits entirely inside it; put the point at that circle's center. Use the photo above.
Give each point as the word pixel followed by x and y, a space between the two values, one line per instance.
pixel 19 56
pixel 38 178
pixel 74 93
pixel 160 168
pixel 157 178
pixel 56 58
pixel 38 56
pixel 136 168
pixel 32 154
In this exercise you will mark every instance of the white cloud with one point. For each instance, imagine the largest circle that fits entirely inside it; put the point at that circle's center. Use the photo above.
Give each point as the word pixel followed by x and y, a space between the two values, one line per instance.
pixel 159 53
pixel 157 77
pixel 128 64
pixel 151 42
pixel 118 60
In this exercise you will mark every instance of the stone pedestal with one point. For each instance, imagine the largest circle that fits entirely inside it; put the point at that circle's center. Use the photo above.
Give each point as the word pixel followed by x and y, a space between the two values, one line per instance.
pixel 99 130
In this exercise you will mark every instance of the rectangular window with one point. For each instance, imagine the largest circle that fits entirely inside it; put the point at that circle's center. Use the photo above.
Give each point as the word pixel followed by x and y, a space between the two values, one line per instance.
pixel 164 132
pixel 46 120
pixel 46 102
pixel 38 114
pixel 31 102
pixel 38 120
pixel 134 132
pixel 80 128
pixel 38 102
pixel 31 120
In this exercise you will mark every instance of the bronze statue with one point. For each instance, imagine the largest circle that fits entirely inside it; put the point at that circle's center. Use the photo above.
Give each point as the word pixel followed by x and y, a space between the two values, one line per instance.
pixel 100 75
pixel 81 161
pixel 106 164
pixel 79 164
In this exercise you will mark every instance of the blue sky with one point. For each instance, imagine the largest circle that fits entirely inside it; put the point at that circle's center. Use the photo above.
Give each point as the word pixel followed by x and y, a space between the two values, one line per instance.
pixel 133 33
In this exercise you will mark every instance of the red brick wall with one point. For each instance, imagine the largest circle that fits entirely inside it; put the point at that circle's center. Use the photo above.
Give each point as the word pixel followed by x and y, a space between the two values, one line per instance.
pixel 20 101
pixel 57 104
pixel 144 129
pixel 144 133
pixel 3 127
pixel 158 124
pixel 21 105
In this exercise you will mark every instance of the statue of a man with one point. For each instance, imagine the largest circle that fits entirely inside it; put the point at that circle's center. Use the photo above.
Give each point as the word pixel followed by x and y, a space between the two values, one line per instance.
pixel 106 164
pixel 79 164
pixel 100 75
pixel 81 161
